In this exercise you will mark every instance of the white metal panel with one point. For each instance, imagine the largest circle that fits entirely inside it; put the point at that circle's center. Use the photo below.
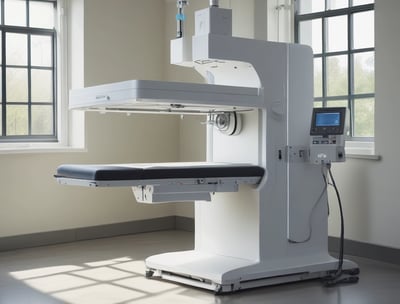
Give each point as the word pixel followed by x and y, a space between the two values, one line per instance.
pixel 306 207
pixel 164 96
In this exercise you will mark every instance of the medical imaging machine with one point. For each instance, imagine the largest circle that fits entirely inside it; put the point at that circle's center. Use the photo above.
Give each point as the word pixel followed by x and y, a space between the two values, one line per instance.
pixel 260 198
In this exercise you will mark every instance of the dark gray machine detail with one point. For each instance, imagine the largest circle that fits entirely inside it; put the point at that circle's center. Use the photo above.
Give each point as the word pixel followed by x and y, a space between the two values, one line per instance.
pixel 113 172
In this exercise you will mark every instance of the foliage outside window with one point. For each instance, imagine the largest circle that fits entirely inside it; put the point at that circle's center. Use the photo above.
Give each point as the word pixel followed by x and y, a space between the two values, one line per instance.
pixel 28 70
pixel 341 34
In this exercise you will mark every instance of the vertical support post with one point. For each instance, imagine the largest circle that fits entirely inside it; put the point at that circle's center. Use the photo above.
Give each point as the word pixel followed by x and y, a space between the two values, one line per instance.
pixel 180 17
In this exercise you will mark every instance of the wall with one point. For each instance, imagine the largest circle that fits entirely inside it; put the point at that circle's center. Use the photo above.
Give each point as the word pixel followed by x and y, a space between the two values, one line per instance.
pixel 121 42
pixel 31 201
pixel 370 189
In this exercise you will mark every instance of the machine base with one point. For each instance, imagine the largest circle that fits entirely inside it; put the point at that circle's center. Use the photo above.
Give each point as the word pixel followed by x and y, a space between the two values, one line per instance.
pixel 222 274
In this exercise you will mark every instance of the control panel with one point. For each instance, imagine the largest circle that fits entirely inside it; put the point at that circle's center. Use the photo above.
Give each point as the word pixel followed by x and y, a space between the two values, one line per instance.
pixel 327 140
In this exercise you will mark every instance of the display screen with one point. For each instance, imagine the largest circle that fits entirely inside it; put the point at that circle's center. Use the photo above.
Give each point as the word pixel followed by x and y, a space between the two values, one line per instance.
pixel 327 119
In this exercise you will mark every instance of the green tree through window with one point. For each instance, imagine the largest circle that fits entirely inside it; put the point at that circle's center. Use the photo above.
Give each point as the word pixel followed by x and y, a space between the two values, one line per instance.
pixel 28 70
pixel 341 34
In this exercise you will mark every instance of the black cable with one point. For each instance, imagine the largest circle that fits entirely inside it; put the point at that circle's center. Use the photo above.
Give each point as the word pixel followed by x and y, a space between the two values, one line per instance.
pixel 341 246
pixel 334 279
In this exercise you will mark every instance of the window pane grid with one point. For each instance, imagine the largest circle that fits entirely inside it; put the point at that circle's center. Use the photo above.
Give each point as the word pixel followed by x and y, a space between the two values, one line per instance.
pixel 321 13
pixel 28 78
pixel 346 63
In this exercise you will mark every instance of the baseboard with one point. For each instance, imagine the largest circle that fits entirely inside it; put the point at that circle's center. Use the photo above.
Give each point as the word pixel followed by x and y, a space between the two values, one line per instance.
pixel 88 233
pixel 184 223
pixel 366 250
pixel 354 248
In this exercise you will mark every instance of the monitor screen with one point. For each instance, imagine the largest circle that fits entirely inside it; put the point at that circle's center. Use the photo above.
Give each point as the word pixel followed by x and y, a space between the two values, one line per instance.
pixel 328 121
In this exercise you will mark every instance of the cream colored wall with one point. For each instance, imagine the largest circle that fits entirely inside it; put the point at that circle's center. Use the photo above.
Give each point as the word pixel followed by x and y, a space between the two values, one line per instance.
pixel 370 189
pixel 31 201
pixel 123 40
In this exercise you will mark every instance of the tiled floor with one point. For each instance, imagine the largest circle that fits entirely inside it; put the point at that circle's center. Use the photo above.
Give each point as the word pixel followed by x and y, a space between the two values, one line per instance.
pixel 111 271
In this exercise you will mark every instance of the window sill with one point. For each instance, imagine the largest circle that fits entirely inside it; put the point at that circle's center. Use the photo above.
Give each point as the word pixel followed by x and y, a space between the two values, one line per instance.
pixel 40 148
pixel 361 150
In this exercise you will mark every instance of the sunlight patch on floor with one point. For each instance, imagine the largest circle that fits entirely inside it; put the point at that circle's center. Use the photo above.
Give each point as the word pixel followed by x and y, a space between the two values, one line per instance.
pixel 113 281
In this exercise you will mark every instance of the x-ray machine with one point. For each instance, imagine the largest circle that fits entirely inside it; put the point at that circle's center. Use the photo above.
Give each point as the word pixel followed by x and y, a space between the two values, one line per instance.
pixel 261 203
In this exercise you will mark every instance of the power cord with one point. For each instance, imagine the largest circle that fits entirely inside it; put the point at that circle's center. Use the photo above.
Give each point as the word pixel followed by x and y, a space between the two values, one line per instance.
pixel 336 277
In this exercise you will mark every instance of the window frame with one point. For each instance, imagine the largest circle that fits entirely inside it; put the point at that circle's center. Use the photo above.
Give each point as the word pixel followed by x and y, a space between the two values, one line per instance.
pixel 30 31
pixel 349 53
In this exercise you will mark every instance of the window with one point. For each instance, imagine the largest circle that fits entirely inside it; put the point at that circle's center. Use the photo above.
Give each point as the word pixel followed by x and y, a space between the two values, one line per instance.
pixel 341 34
pixel 28 71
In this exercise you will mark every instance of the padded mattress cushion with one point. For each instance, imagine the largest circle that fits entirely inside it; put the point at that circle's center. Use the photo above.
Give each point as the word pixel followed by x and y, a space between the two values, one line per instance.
pixel 157 171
